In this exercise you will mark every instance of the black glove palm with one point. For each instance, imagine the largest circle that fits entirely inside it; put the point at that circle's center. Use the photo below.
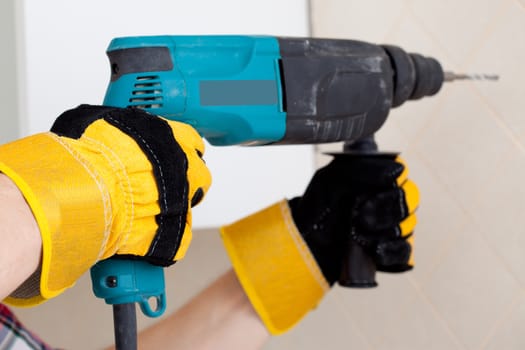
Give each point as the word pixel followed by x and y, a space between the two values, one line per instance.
pixel 363 201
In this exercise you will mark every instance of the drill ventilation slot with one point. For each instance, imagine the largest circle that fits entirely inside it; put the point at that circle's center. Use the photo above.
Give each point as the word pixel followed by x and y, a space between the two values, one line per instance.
pixel 147 93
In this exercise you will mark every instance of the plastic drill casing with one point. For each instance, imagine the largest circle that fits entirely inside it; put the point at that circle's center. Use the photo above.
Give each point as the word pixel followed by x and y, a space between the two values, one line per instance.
pixel 227 87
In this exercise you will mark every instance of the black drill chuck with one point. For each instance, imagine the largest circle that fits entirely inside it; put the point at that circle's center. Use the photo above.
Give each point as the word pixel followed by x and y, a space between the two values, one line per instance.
pixel 414 75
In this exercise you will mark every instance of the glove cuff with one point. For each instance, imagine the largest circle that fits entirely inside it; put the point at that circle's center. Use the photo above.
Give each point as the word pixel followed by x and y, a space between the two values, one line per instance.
pixel 57 186
pixel 274 265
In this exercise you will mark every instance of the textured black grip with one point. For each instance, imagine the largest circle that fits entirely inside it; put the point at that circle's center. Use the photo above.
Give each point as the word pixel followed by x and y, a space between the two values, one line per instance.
pixel 358 267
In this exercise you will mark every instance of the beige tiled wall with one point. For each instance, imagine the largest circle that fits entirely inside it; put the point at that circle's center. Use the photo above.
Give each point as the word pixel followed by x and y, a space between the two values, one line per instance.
pixel 465 148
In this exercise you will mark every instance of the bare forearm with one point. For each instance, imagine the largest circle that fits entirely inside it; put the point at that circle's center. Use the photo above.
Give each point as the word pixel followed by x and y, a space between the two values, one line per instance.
pixel 220 317
pixel 21 243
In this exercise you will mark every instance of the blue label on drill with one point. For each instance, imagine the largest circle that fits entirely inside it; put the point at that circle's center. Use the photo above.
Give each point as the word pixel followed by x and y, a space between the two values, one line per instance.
pixel 238 92
pixel 227 87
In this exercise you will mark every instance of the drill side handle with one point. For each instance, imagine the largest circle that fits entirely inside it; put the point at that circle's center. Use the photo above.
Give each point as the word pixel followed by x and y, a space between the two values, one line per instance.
pixel 358 268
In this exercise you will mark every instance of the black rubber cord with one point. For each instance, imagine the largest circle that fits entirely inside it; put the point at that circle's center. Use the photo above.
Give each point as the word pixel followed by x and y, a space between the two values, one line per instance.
pixel 125 323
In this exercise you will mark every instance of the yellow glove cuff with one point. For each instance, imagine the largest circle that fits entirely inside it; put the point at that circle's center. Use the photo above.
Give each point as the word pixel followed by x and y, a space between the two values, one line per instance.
pixel 275 267
pixel 58 211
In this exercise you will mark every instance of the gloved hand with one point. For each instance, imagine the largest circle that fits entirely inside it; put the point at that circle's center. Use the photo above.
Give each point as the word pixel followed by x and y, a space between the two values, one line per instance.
pixel 288 256
pixel 106 181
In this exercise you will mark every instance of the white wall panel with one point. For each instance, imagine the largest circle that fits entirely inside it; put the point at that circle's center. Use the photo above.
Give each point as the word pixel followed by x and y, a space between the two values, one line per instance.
pixel 67 65
pixel 10 79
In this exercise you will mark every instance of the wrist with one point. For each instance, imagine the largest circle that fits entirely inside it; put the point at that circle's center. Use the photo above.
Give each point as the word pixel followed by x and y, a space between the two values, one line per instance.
pixel 67 200
pixel 20 251
pixel 275 266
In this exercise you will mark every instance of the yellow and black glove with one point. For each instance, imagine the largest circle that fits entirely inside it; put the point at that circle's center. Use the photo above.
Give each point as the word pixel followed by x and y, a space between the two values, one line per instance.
pixel 106 181
pixel 288 256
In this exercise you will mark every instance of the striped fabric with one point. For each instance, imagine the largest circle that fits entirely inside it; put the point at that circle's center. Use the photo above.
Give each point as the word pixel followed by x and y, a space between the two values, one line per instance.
pixel 14 336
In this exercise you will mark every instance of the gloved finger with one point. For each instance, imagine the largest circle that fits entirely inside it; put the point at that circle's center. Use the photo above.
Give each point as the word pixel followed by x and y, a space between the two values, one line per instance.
pixel 404 174
pixel 397 255
pixel 199 177
pixel 370 238
pixel 391 248
pixel 380 211
pixel 393 255
pixel 385 209
pixel 411 193
pixel 407 226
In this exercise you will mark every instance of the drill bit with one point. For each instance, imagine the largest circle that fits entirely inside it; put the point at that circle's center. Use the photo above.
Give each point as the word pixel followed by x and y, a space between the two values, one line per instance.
pixel 451 76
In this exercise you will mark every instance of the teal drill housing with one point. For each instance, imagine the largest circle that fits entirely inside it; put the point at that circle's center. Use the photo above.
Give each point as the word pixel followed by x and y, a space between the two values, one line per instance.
pixel 227 87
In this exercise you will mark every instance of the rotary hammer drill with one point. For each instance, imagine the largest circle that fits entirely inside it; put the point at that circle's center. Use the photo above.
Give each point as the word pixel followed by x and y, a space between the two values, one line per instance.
pixel 259 90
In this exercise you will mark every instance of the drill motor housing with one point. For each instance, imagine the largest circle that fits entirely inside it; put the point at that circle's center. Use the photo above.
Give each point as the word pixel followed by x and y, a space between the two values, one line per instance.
pixel 256 90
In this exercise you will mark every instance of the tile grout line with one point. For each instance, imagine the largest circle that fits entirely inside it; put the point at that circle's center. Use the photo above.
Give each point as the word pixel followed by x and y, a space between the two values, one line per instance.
pixel 437 314
pixel 498 118
pixel 483 36
pixel 495 115
pixel 521 4
pixel 429 33
pixel 431 117
pixel 514 139
pixel 443 253
pixel 437 41
pixel 352 321
pixel 397 23
pixel 503 126
pixel 472 86
pixel 413 145
pixel 470 218
pixel 500 321
pixel 382 340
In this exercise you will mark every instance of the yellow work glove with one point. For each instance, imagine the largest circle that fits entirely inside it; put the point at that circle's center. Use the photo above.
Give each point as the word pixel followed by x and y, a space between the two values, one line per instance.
pixel 288 256
pixel 106 181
